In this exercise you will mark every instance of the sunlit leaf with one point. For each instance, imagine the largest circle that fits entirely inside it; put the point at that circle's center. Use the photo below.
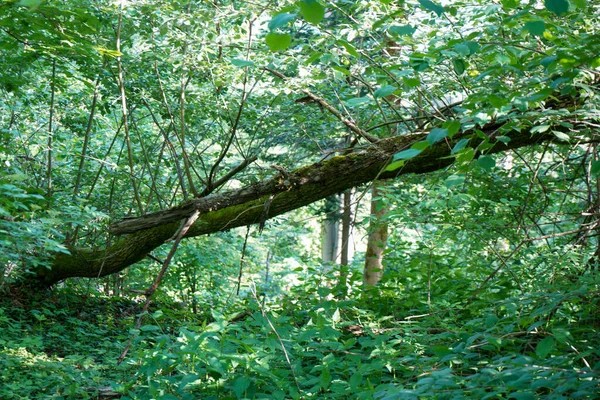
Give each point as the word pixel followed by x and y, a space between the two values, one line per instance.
pixel 336 315
pixel 349 48
pixel 510 4
pixel 462 143
pixel 561 136
pixel 281 20
pixel 384 91
pixel 278 41
pixel 356 101
pixel 402 30
pixel 453 127
pixel 406 154
pixel 436 134
pixel 395 165
pixel 465 155
pixel 454 180
pixel 312 11
pixel 341 70
pixel 32 4
pixel 462 49
pixel 411 82
pixel 242 63
pixel 421 145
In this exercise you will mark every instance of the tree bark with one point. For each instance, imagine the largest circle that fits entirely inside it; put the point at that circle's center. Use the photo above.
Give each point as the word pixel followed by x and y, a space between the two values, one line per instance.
pixel 245 206
pixel 377 239
pixel 346 225
pixel 330 230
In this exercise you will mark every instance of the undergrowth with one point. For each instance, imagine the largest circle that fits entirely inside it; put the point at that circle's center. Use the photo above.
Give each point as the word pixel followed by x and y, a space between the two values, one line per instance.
pixel 307 344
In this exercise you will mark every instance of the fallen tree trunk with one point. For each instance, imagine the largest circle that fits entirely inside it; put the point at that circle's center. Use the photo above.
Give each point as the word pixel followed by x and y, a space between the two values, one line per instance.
pixel 136 237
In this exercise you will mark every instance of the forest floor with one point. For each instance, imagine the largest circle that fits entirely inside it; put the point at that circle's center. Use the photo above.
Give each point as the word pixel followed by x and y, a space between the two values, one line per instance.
pixel 66 345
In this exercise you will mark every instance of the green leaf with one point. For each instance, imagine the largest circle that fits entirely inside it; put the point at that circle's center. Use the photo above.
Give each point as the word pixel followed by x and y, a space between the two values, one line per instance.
pixel 491 320
pixel 238 62
pixel 459 66
pixel 312 11
pixel 356 101
pixel 240 385
pixel 349 48
pixel 454 180
pixel 280 20
pixel 561 334
pixel 558 7
pixel 402 30
pixel 581 4
pixel 431 6
pixel 336 315
pixel 278 41
pixel 561 136
pixel 342 70
pixel 595 168
pixel 406 154
pixel 493 340
pixel 486 162
pixel 384 91
pixel 465 155
pixel 453 127
pixel 395 165
pixel 536 28
pixel 544 347
pixel 355 380
pixel 32 4
pixel 462 49
pixel 522 396
pixel 540 128
pixel 422 145
pixel 510 4
pixel 411 82
pixel 436 134
pixel 462 143
pixel 313 57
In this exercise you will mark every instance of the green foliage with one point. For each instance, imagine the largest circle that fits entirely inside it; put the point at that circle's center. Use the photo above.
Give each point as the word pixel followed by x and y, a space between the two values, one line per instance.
pixel 491 286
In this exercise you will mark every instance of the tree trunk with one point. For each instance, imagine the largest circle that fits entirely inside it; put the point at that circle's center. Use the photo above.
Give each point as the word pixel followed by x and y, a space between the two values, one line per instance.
pixel 346 225
pixel 330 231
pixel 377 240
pixel 285 192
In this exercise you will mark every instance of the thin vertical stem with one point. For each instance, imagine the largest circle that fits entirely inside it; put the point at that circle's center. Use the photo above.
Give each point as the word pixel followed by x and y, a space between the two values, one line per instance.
pixel 86 139
pixel 50 135
pixel 242 260
pixel 136 193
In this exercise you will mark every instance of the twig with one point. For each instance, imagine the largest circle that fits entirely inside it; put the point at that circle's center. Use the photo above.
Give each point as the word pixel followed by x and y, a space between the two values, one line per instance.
pixel 287 357
pixel 150 292
pixel 324 104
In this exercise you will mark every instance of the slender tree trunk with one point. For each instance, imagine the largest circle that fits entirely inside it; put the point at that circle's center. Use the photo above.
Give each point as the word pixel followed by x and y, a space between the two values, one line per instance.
pixel 50 135
pixel 330 231
pixel 377 240
pixel 346 225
